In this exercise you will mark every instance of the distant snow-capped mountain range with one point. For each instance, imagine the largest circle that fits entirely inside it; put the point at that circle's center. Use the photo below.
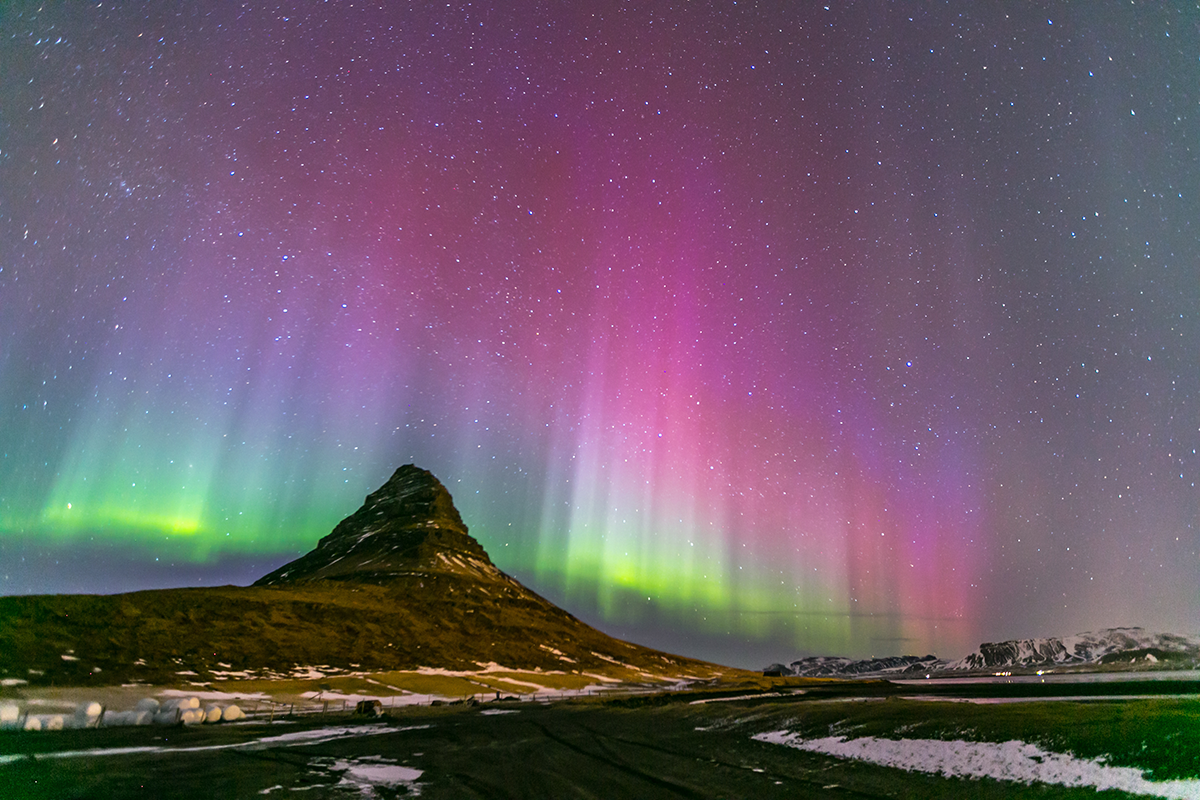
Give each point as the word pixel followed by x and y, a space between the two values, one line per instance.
pixel 1109 646
pixel 837 667
pixel 1106 647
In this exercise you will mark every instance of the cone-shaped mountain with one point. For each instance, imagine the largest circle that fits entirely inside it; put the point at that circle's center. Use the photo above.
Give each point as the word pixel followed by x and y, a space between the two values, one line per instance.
pixel 407 526
pixel 397 585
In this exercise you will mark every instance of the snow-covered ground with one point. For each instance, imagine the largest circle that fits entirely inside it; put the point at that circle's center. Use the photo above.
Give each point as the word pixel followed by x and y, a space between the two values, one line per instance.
pixel 1007 761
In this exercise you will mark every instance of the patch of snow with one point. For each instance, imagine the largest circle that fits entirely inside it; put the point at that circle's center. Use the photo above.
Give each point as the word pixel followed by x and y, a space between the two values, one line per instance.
pixel 1008 761
pixel 68 657
pixel 339 697
pixel 293 739
pixel 198 696
pixel 492 712
pixel 366 773
pixel 537 687
pixel 307 673
pixel 601 678
pixel 484 667
pixel 6 682
pixel 731 699
pixel 612 660
pixel 561 655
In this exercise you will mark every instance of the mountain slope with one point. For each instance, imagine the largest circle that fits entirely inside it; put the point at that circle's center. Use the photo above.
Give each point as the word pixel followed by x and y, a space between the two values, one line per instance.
pixel 399 584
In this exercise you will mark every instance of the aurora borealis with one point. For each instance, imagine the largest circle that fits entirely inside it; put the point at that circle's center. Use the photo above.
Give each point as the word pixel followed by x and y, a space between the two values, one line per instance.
pixel 746 330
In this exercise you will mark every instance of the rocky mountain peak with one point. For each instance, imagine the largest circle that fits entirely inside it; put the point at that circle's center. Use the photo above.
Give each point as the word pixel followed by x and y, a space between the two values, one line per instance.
pixel 407 526
pixel 415 494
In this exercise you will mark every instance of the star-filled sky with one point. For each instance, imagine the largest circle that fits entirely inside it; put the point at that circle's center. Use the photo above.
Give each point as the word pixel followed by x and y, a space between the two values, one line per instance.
pixel 747 330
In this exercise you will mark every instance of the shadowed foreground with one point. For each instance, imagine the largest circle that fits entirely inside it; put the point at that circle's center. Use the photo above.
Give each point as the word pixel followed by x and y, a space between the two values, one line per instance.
pixel 642 747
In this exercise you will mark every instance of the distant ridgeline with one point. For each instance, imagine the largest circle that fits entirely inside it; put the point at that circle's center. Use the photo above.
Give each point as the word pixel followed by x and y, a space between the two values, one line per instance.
pixel 399 584
pixel 1109 648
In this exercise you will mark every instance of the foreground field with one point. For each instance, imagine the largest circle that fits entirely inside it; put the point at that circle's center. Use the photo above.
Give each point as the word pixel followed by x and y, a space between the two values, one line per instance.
pixel 674 745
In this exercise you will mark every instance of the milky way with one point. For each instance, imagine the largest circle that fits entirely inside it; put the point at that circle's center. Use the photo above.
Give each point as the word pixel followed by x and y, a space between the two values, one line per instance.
pixel 746 330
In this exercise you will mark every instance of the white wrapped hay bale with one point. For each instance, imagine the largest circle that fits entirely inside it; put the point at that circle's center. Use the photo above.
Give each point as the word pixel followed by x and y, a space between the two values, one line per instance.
pixel 180 711
pixel 167 717
pixel 212 714
pixel 150 704
pixel 116 719
pixel 10 716
pixel 89 709
pixel 232 713
pixel 87 715
pixel 45 722
pixel 183 703
pixel 192 716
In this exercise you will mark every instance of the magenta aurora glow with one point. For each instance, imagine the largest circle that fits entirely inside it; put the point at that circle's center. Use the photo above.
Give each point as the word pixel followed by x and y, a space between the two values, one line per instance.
pixel 743 330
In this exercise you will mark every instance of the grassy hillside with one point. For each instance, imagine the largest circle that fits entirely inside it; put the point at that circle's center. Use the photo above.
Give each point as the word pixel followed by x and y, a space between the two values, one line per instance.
pixel 439 620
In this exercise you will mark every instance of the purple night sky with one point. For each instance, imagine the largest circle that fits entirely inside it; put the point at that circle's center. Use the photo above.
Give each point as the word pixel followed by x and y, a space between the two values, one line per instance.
pixel 745 330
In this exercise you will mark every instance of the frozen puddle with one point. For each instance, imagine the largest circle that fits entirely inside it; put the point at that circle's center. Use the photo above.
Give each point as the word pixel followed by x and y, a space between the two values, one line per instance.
pixel 1009 761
